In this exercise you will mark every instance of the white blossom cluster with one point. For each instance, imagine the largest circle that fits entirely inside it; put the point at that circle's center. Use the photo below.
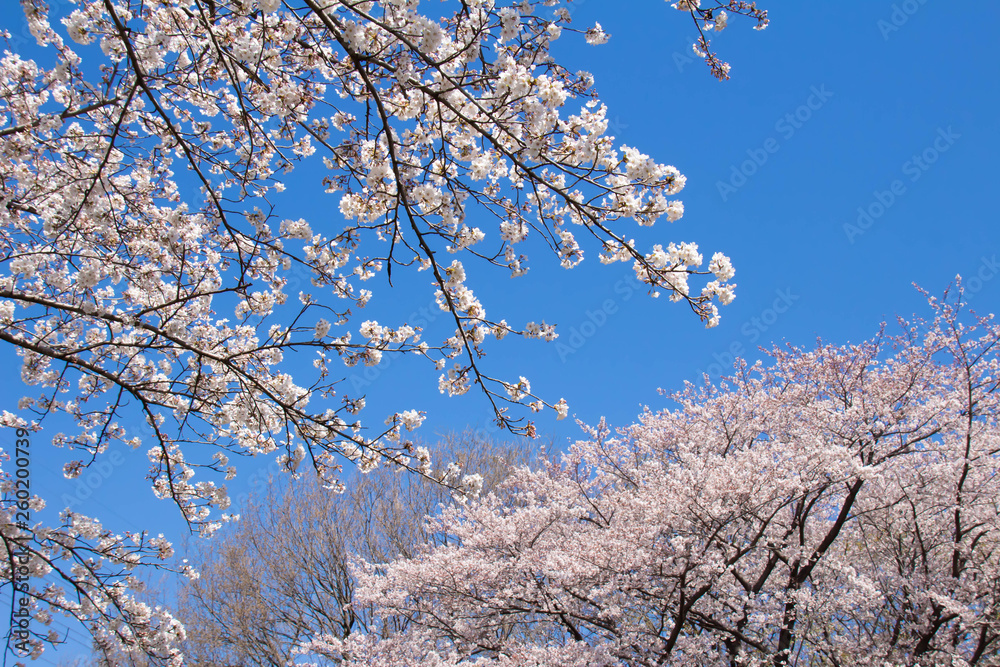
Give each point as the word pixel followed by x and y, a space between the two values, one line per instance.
pixel 839 503
pixel 155 294
pixel 82 571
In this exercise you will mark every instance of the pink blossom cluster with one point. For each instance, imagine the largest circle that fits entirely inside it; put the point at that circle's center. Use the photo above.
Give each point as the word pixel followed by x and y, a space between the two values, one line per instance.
pixel 837 507
pixel 147 278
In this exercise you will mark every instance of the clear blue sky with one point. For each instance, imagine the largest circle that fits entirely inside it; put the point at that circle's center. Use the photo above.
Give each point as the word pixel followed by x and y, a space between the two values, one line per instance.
pixel 827 110
pixel 835 107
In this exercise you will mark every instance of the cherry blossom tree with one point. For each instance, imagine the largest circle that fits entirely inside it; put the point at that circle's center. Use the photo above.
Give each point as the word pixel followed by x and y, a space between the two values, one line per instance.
pixel 837 507
pixel 282 573
pixel 145 270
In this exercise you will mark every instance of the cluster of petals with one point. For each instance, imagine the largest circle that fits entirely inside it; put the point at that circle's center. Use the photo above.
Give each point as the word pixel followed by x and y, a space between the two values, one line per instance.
pixel 841 501
pixel 157 293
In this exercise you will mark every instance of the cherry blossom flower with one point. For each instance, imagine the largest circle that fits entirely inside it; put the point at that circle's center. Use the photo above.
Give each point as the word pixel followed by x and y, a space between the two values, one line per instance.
pixel 156 293
pixel 838 506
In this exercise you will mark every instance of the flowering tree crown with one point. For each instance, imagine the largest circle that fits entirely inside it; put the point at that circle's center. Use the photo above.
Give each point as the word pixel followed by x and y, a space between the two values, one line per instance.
pixel 144 268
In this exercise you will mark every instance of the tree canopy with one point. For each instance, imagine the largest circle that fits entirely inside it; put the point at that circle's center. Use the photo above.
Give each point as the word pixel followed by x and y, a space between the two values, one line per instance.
pixel 838 506
pixel 144 268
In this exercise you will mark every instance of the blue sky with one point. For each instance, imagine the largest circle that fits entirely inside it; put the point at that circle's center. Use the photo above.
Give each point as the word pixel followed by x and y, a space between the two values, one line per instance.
pixel 851 155
pixel 833 108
